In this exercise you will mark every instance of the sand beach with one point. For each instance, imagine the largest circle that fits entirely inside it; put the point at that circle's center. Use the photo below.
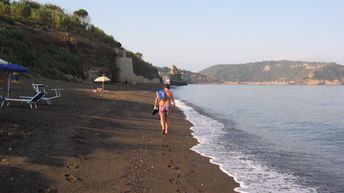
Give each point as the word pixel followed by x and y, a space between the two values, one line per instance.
pixel 100 142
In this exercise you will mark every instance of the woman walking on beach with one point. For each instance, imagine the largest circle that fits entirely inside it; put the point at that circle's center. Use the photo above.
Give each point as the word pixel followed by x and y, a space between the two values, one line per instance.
pixel 165 100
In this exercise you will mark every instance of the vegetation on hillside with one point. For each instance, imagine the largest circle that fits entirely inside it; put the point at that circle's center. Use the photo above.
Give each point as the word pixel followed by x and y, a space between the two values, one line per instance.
pixel 188 76
pixel 277 71
pixel 58 45
pixel 141 67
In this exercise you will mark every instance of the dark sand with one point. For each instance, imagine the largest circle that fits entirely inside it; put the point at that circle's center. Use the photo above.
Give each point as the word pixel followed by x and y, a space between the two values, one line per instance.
pixel 109 142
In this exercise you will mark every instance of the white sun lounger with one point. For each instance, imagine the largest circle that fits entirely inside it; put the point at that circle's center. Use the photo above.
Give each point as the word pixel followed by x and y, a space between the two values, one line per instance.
pixel 2 100
pixel 57 95
pixel 31 101
pixel 41 88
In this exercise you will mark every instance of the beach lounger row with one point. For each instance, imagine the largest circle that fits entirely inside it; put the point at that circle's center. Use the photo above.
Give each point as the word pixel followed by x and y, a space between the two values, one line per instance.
pixel 48 99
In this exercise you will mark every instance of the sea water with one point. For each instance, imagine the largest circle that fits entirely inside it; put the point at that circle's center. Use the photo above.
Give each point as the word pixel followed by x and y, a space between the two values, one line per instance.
pixel 270 138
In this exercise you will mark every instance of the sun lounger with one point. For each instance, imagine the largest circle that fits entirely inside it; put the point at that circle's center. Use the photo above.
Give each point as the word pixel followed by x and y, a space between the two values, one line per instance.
pixel 48 99
pixel 57 95
pixel 42 88
pixel 31 101
pixel 39 87
pixel 1 100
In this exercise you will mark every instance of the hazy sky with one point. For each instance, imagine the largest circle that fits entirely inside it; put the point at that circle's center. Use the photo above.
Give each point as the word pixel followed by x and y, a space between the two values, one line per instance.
pixel 195 34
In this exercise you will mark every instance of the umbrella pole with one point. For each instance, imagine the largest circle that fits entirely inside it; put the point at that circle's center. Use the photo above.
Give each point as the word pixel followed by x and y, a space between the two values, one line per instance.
pixel 103 85
pixel 8 85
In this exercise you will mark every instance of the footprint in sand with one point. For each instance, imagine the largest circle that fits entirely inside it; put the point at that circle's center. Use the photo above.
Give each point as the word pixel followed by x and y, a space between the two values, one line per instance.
pixel 71 178
pixel 172 181
pixel 81 157
pixel 72 166
pixel 47 189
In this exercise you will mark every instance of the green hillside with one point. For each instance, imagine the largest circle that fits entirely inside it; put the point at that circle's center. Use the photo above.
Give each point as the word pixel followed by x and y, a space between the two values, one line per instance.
pixel 278 71
pixel 58 45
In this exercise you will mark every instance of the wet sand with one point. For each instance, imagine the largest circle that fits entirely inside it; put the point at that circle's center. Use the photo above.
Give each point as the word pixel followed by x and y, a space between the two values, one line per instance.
pixel 107 142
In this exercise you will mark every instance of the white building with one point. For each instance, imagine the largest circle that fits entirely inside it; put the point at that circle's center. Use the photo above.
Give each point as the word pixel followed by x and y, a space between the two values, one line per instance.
pixel 126 74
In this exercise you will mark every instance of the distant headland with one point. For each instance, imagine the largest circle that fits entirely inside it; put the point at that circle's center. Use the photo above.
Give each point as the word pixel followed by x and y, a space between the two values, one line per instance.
pixel 282 72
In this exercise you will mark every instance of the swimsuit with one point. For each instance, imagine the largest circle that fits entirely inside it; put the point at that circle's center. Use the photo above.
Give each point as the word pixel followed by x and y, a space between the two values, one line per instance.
pixel 164 109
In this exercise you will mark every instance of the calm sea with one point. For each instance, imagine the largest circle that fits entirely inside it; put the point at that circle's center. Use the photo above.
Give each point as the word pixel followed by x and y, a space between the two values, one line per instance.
pixel 270 138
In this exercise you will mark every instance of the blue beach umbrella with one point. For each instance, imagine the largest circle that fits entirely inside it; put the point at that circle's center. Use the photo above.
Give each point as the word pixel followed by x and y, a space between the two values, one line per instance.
pixel 12 68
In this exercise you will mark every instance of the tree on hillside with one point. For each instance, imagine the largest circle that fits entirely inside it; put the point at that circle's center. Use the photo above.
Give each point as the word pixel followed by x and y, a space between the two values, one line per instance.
pixel 5 1
pixel 32 4
pixel 83 16
pixel 139 55
pixel 21 10
pixel 5 9
pixel 54 7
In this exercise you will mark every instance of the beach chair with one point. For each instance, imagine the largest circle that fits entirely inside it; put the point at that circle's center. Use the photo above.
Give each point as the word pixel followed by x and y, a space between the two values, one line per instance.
pixel 2 99
pixel 31 101
pixel 39 87
pixel 57 92
pixel 42 88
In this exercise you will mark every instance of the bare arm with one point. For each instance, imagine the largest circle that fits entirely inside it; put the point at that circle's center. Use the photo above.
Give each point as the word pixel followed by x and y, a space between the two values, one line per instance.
pixel 156 102
pixel 174 102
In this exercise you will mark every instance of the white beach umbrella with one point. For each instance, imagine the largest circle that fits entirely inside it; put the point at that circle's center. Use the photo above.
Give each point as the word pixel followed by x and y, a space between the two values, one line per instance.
pixel 102 79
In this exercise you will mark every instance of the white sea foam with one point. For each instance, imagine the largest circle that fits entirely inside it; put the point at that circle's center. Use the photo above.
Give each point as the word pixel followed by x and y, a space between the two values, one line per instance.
pixel 252 175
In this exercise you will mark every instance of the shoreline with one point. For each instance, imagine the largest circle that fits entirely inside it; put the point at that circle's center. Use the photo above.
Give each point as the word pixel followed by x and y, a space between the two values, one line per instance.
pixel 108 142
pixel 225 137
pixel 184 108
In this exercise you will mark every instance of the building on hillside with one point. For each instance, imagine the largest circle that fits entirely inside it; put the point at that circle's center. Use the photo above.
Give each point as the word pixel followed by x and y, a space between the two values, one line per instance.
pixel 165 79
pixel 176 76
pixel 126 70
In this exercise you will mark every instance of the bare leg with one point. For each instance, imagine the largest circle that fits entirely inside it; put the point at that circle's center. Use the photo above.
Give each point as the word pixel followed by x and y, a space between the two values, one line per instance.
pixel 162 122
pixel 166 124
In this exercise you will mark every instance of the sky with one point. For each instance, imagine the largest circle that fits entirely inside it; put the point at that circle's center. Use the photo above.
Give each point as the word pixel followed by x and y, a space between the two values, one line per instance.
pixel 196 34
